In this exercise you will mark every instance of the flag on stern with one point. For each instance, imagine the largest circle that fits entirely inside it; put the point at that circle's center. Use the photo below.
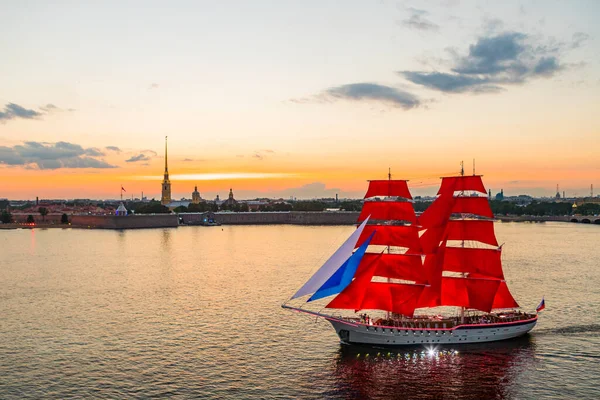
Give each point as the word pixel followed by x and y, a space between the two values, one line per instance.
pixel 540 306
pixel 123 189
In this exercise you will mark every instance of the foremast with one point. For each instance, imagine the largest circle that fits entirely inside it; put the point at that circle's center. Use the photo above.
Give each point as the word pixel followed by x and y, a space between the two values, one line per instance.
pixel 390 276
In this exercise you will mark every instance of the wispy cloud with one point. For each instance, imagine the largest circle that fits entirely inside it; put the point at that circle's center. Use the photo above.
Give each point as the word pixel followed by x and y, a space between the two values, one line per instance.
pixel 493 62
pixel 262 154
pixel 15 111
pixel 139 157
pixel 417 20
pixel 372 92
pixel 52 156
pixel 113 148
pixel 153 86
pixel 579 38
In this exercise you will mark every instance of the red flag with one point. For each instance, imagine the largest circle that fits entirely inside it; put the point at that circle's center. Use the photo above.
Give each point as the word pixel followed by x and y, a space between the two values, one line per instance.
pixel 123 189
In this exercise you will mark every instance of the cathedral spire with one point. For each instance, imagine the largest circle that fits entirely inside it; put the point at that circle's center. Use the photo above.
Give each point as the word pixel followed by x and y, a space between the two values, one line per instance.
pixel 166 165
pixel 166 183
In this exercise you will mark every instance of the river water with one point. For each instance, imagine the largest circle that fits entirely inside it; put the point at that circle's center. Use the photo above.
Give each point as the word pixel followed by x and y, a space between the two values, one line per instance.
pixel 194 312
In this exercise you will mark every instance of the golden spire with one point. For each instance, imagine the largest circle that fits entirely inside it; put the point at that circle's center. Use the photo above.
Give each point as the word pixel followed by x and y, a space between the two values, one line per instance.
pixel 166 167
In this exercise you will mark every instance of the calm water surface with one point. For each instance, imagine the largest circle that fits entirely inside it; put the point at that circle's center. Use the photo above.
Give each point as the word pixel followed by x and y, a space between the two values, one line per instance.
pixel 195 312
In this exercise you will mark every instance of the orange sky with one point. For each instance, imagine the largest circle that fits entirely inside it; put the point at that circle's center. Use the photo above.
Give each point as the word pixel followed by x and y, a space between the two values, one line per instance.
pixel 304 97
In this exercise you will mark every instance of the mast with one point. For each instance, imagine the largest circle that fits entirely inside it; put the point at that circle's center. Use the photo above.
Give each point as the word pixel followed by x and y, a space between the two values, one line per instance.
pixel 387 313
pixel 477 281
pixel 389 279
pixel 462 193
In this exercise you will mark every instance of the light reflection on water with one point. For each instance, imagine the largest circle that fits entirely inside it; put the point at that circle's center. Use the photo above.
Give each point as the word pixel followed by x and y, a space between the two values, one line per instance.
pixel 195 312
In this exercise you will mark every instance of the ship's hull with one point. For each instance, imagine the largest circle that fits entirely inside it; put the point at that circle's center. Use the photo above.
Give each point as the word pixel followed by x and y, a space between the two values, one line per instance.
pixel 350 333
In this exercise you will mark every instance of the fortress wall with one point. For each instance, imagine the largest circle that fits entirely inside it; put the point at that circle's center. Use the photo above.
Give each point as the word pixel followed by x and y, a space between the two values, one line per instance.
pixel 323 218
pixel 284 217
pixel 127 222
pixel 252 218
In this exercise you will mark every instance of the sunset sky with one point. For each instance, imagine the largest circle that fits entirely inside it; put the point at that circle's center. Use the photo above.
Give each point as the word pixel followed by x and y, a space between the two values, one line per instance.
pixel 304 99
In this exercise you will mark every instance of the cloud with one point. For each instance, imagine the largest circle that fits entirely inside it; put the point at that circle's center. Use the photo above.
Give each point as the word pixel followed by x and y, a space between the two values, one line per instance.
pixel 418 21
pixel 262 154
pixel 579 38
pixel 139 157
pixel 450 82
pixel 547 66
pixel 12 111
pixel 492 62
pixel 153 86
pixel 187 159
pixel 373 91
pixel 39 155
pixel 94 152
pixel 113 148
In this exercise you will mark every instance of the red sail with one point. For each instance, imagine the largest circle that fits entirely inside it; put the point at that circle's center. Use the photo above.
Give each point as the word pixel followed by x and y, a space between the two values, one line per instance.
pixel 469 292
pixel 395 297
pixel 472 205
pixel 352 296
pixel 391 235
pixel 438 213
pixel 484 262
pixel 430 240
pixel 433 268
pixel 460 183
pixel 395 266
pixel 503 298
pixel 391 188
pixel 388 210
pixel 481 231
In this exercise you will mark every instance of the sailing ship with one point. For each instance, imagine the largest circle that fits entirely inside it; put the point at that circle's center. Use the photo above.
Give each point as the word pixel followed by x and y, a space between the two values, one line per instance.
pixel 435 278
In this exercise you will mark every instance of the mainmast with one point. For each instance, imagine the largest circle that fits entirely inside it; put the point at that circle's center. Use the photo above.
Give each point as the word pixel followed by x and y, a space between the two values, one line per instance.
pixel 478 280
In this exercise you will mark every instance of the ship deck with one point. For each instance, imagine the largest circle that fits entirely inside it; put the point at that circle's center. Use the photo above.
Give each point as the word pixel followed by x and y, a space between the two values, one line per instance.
pixel 440 322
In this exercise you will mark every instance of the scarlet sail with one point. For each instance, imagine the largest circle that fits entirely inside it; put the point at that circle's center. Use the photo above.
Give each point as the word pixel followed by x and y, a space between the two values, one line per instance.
pixel 396 266
pixel 389 188
pixel 484 262
pixel 469 292
pixel 391 235
pixel 475 230
pixel 462 183
pixel 412 284
pixel 388 210
pixel 472 205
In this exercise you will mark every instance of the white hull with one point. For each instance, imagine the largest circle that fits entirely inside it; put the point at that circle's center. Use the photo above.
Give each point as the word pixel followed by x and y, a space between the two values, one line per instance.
pixel 351 333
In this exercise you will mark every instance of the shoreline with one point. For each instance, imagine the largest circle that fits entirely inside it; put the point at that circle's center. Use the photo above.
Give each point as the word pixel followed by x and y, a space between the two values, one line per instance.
pixel 307 219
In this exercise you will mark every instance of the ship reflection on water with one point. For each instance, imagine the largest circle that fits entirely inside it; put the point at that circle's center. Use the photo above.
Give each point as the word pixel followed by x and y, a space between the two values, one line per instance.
pixel 478 371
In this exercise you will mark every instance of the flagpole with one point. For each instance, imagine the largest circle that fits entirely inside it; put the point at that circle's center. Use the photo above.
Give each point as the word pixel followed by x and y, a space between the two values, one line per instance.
pixel 121 192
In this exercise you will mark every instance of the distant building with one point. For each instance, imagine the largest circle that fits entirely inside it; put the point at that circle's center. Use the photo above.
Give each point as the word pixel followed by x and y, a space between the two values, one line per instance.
pixel 230 200
pixel 196 196
pixel 500 196
pixel 178 203
pixel 121 210
pixel 165 198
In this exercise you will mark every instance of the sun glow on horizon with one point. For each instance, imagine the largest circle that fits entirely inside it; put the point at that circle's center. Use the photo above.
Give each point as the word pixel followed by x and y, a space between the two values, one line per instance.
pixel 217 176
